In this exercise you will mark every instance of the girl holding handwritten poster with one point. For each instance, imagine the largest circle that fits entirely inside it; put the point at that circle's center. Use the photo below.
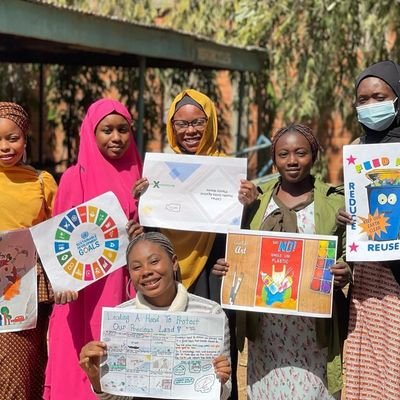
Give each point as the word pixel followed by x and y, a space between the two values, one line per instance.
pixel 294 357
pixel 26 199
pixel 152 265
pixel 373 345
pixel 108 161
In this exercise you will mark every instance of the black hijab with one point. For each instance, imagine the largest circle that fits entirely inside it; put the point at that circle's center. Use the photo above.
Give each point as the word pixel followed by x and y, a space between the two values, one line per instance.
pixel 389 72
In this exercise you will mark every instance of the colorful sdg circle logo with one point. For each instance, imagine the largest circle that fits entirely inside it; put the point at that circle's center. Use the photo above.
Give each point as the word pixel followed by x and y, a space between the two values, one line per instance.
pixel 86 243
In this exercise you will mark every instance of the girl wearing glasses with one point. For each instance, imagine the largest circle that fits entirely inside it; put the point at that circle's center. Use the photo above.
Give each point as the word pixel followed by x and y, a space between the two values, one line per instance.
pixel 192 129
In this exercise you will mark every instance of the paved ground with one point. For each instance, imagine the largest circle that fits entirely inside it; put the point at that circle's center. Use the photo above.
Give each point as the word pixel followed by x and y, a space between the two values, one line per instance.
pixel 242 371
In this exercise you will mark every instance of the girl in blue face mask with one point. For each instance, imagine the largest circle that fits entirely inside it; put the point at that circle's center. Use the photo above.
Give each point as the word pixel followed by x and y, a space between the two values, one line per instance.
pixel 373 345
pixel 377 103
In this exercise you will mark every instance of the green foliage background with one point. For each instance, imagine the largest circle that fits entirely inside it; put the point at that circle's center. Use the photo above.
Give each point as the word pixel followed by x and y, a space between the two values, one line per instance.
pixel 316 49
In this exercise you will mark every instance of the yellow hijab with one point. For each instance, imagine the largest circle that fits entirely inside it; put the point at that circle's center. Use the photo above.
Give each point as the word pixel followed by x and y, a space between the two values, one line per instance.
pixel 193 248
pixel 208 144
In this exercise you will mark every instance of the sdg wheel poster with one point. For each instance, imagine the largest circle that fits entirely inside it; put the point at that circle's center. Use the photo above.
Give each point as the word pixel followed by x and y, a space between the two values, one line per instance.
pixel 84 244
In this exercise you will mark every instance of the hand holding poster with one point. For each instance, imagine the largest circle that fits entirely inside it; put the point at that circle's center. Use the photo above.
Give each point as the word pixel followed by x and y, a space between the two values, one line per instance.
pixel 161 354
pixel 372 189
pixel 194 193
pixel 18 281
pixel 281 273
pixel 84 244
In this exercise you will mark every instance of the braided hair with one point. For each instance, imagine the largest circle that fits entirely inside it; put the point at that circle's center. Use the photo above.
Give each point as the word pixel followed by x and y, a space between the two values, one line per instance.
pixel 303 130
pixel 154 237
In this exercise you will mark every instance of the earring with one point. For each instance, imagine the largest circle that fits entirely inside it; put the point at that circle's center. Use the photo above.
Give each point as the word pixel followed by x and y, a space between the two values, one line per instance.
pixel 177 275
pixel 24 156
pixel 128 289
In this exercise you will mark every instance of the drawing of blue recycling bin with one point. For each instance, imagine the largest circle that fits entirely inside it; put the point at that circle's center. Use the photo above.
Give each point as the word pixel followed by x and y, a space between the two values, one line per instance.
pixel 384 197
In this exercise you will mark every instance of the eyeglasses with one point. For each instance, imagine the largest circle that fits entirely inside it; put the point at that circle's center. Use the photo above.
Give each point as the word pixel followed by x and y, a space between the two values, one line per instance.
pixel 181 125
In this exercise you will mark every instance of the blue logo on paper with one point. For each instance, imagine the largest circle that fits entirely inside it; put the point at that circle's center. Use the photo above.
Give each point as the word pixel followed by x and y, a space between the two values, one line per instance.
pixel 182 171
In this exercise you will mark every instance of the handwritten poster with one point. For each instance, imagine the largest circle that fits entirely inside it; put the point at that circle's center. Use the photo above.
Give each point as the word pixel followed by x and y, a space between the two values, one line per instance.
pixel 161 354
pixel 84 244
pixel 193 193
pixel 18 281
pixel 372 189
pixel 279 273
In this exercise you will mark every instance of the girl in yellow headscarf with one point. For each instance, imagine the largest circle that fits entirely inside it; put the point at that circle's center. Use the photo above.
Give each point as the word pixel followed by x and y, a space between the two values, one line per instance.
pixel 192 129
pixel 192 126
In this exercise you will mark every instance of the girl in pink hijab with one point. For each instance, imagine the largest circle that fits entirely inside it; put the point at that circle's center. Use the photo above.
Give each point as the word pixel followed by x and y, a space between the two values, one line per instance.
pixel 108 161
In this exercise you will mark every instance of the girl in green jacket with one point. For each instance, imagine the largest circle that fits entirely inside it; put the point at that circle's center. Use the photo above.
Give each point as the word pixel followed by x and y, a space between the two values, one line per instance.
pixel 294 357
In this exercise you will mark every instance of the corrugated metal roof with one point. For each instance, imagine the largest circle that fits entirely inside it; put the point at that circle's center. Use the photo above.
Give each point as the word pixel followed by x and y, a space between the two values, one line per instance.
pixel 140 23
pixel 39 31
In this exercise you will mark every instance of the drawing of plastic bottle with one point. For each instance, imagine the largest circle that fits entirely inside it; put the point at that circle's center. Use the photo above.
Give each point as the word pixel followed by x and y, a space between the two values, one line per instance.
pixel 269 283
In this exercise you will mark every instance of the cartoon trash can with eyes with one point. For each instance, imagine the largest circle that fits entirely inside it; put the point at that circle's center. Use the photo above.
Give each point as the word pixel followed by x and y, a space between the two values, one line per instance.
pixel 384 197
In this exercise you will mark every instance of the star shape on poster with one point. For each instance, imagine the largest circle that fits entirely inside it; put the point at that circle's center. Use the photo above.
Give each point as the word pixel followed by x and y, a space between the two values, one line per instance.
pixel 353 247
pixel 351 160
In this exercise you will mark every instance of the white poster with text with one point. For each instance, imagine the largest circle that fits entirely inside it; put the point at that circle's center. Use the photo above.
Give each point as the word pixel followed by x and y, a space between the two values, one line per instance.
pixel 161 354
pixel 192 193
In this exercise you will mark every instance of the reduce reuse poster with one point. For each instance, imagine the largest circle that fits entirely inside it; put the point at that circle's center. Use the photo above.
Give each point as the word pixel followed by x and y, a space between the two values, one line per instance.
pixel 372 190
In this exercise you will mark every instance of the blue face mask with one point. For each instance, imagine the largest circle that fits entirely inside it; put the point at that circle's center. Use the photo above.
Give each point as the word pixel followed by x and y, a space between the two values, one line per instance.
pixel 377 116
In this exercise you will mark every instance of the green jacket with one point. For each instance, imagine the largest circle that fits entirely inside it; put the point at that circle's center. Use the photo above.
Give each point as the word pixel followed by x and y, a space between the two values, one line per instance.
pixel 330 332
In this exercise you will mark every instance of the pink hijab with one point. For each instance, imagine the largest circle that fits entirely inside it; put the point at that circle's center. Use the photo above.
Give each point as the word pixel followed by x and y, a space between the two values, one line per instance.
pixel 93 174
pixel 75 324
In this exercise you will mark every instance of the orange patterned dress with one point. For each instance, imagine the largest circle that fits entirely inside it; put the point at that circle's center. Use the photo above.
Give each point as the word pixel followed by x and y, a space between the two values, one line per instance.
pixel 26 199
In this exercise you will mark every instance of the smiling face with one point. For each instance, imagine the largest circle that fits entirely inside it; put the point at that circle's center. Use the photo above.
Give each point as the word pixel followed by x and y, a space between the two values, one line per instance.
pixel 152 272
pixel 113 136
pixel 293 157
pixel 12 143
pixel 189 138
pixel 373 90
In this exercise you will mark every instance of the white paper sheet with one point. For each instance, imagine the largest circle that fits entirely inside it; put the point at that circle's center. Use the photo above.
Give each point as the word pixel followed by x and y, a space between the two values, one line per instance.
pixel 84 244
pixel 193 193
pixel 161 354
pixel 18 281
